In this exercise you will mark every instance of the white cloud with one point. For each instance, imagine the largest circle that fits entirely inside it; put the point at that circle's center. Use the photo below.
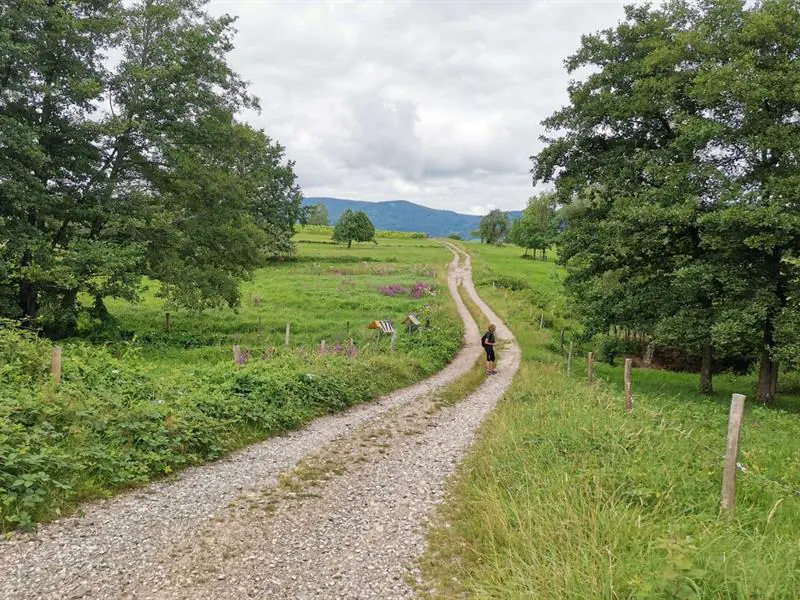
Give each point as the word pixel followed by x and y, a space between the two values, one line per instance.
pixel 434 101
pixel 481 210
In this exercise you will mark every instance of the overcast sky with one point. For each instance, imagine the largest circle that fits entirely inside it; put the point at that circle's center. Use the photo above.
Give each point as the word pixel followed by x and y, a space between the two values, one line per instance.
pixel 437 101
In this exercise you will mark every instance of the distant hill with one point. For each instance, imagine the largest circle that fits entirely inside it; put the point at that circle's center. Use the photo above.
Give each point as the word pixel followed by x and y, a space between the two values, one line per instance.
pixel 401 215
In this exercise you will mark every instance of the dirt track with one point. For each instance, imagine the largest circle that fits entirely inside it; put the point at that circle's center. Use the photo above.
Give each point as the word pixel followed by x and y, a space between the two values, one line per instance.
pixel 336 510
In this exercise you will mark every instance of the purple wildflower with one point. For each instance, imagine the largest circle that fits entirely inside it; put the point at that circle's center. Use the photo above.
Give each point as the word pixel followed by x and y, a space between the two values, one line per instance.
pixel 395 289
pixel 420 289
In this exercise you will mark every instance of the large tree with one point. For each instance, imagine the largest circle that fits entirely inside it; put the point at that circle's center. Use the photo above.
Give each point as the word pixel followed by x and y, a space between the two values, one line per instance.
pixel 678 156
pixel 51 77
pixel 494 227
pixel 106 176
pixel 748 132
pixel 353 227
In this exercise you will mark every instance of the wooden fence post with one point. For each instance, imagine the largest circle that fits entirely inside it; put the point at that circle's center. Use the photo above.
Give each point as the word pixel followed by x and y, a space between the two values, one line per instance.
pixel 322 347
pixel 55 364
pixel 628 384
pixel 167 324
pixel 590 367
pixel 237 354
pixel 569 360
pixel 732 453
pixel 288 331
pixel 648 354
pixel 561 343
pixel 541 321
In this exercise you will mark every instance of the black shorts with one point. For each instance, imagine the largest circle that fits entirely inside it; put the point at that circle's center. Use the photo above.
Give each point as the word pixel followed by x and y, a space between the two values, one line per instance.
pixel 489 353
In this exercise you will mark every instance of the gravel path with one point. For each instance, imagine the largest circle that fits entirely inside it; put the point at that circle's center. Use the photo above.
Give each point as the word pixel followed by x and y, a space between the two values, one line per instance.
pixel 335 510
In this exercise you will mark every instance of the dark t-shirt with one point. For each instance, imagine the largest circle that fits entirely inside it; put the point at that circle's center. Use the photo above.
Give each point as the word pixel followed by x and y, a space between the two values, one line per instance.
pixel 487 337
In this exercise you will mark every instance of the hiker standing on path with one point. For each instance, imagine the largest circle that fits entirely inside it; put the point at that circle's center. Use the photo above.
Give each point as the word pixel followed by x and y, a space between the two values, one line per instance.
pixel 488 342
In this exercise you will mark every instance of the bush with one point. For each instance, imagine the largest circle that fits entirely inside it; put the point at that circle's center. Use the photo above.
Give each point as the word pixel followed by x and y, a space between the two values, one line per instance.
pixel 608 347
pixel 504 281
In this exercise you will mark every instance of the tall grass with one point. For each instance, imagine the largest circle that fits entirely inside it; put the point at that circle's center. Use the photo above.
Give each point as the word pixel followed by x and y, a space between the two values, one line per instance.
pixel 566 495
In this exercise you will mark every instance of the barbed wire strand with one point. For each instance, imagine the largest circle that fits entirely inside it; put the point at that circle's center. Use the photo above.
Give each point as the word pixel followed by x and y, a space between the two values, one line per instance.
pixel 741 467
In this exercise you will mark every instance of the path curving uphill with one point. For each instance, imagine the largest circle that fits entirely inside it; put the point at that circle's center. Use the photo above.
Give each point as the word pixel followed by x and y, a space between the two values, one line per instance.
pixel 335 510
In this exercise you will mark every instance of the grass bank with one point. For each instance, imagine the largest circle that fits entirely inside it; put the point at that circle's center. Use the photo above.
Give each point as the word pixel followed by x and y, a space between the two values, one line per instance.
pixel 565 495
pixel 137 402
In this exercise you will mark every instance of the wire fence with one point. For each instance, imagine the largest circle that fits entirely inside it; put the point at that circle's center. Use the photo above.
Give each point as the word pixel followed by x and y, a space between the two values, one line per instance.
pixel 700 444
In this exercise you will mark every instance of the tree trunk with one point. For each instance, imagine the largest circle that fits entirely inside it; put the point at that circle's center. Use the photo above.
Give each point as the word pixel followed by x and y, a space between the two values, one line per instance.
pixel 99 310
pixel 773 386
pixel 28 300
pixel 767 378
pixel 768 369
pixel 544 253
pixel 64 322
pixel 706 386
pixel 647 359
pixel 349 243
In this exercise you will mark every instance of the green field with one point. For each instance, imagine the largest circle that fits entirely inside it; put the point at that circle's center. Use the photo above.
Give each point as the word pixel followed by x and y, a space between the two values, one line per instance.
pixel 329 292
pixel 567 496
pixel 138 402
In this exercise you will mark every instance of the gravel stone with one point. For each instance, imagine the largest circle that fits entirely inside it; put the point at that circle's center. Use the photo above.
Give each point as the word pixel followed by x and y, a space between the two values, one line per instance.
pixel 338 509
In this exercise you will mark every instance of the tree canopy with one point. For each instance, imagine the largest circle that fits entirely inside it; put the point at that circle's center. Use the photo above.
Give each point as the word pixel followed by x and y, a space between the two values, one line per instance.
pixel 353 227
pixel 110 174
pixel 494 227
pixel 678 159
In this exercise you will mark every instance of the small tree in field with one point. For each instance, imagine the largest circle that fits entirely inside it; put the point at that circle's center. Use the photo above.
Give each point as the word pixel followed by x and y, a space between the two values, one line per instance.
pixel 354 226
pixel 523 234
pixel 537 228
pixel 318 215
pixel 494 227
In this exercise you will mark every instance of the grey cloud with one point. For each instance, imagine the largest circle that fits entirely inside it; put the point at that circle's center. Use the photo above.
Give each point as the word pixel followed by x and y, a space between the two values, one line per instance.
pixel 438 102
pixel 383 134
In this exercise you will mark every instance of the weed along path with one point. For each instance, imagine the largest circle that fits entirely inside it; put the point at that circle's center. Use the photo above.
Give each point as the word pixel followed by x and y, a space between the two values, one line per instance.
pixel 335 510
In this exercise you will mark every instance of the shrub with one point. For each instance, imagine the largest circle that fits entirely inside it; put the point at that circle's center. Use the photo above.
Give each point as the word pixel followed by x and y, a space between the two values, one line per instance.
pixel 608 347
pixel 505 281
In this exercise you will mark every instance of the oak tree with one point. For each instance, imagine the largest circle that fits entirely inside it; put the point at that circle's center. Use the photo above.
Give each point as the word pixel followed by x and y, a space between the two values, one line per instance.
pixel 353 227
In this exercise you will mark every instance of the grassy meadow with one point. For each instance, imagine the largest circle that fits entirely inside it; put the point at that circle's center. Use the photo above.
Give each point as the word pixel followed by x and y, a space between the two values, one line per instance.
pixel 137 402
pixel 565 495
